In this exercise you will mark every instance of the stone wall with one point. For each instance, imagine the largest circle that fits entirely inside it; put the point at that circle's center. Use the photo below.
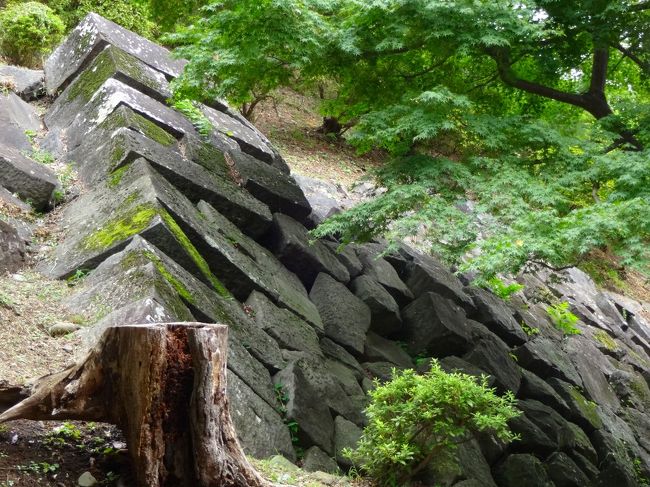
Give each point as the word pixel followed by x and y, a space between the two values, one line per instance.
pixel 175 226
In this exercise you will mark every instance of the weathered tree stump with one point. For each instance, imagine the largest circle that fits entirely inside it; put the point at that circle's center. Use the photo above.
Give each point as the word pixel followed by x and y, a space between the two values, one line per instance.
pixel 164 385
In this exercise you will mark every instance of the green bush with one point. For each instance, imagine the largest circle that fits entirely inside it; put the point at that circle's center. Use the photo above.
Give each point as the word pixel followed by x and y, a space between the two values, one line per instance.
pixel 563 319
pixel 415 421
pixel 28 31
pixel 135 16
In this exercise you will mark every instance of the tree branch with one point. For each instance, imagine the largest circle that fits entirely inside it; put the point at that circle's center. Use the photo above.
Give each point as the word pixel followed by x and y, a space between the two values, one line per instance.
pixel 645 66
pixel 599 70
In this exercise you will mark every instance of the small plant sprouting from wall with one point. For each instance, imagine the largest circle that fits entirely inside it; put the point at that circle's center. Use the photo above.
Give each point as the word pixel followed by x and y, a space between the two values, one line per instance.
pixel 563 319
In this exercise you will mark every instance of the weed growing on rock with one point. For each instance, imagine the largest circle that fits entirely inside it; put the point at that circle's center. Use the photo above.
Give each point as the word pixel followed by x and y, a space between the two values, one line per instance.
pixel 563 319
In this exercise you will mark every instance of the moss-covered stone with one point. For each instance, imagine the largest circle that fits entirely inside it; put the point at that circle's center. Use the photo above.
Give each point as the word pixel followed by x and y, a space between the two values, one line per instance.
pixel 608 342
pixel 116 176
pixel 182 291
pixel 123 226
pixel 588 409
pixel 198 259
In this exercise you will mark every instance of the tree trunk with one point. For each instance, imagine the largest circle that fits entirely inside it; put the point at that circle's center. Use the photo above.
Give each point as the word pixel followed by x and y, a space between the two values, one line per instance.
pixel 164 385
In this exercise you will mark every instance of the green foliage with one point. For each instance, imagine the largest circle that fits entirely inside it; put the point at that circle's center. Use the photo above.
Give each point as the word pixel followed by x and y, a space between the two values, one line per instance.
pixel 199 120
pixel 529 330
pixel 505 141
pixel 501 289
pixel 563 319
pixel 418 419
pixel 135 16
pixel 28 31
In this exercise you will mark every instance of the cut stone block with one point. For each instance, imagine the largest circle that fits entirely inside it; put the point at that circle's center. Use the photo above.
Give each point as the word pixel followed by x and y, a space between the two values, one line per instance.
pixel 89 38
pixel 346 318
pixel 194 181
pixel 101 223
pixel 386 318
pixel 31 181
pixel 425 274
pixel 244 266
pixel 385 274
pixel 246 136
pixel 12 249
pixel 278 190
pixel 113 94
pixel 284 327
pixel 109 63
pixel 260 429
pixel 26 83
pixel 291 243
pixel 16 117
pixel 307 408
pixel 437 326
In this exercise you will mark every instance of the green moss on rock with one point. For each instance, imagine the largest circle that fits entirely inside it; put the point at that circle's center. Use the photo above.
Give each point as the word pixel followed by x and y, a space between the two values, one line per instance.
pixel 194 254
pixel 116 176
pixel 589 409
pixel 608 342
pixel 121 227
pixel 182 291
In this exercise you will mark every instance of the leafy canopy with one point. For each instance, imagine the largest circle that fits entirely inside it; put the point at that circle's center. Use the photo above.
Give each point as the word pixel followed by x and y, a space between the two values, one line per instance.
pixel 415 420
pixel 518 132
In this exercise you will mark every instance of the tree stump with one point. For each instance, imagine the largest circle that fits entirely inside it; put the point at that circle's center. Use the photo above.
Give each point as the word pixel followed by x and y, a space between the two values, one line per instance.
pixel 164 385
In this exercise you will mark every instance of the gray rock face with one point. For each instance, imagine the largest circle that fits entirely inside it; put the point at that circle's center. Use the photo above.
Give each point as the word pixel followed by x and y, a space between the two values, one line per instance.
pixel 425 274
pixel 16 117
pixel 290 242
pixel 345 317
pixel 316 460
pixel 271 186
pixel 385 274
pixel 26 83
pixel 386 319
pixel 245 266
pixel 437 326
pixel 380 349
pixel 564 472
pixel 495 314
pixel 324 198
pixel 259 427
pixel 30 180
pixel 533 439
pixel 284 327
pixel 89 38
pixel 546 359
pixel 12 249
pixel 347 256
pixel 346 435
pixel 305 407
pixel 493 357
pixel 522 469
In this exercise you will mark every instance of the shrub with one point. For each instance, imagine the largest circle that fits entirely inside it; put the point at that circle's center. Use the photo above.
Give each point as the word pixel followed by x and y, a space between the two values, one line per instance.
pixel 418 420
pixel 28 32
pixel 135 16
pixel 563 319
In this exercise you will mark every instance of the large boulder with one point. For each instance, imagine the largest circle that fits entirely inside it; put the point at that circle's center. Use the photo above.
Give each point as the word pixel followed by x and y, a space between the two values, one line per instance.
pixel 346 435
pixel 497 316
pixel 380 349
pixel 260 429
pixel 12 249
pixel 522 469
pixel 386 319
pixel 547 359
pixel 284 327
pixel 87 40
pixel 26 83
pixel 17 117
pixel 385 274
pixel 291 243
pixel 493 356
pixel 31 181
pixel 564 472
pixel 436 326
pixel 305 406
pixel 425 274
pixel 345 317
pixel 273 187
